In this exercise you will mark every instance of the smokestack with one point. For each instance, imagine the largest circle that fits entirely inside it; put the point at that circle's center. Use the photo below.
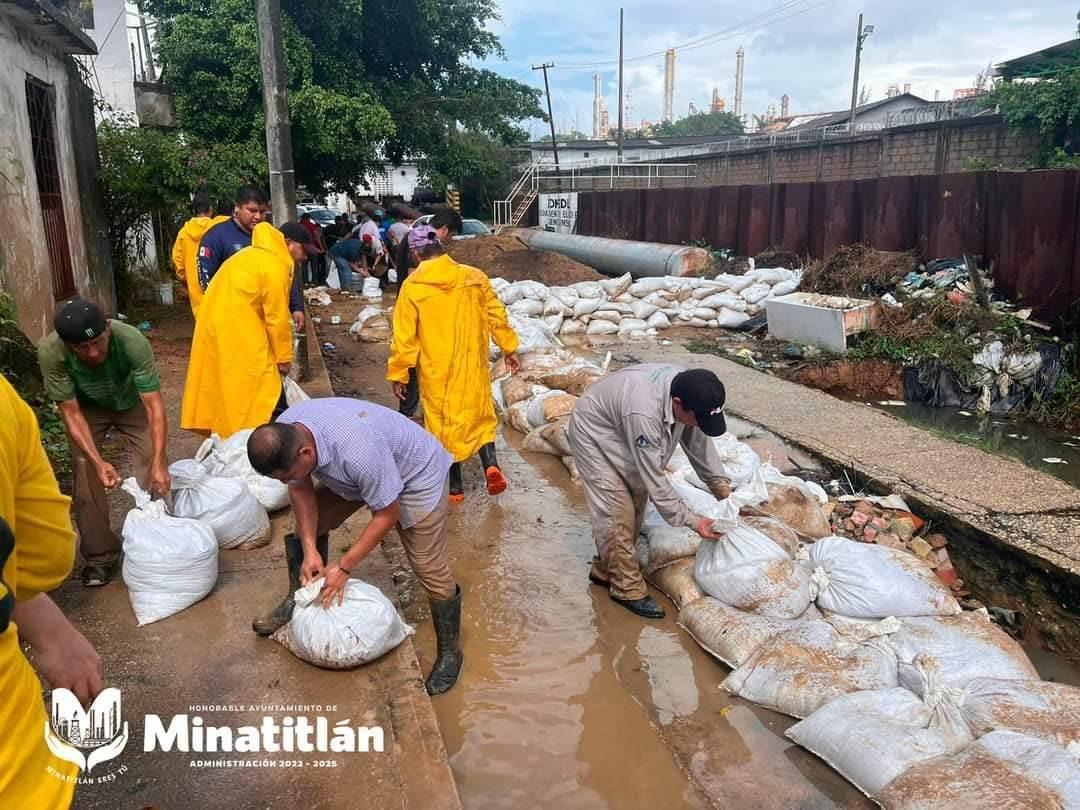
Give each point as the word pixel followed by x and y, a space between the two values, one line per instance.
pixel 597 108
pixel 717 100
pixel 937 95
pixel 907 87
pixel 785 106
pixel 739 55
pixel 669 84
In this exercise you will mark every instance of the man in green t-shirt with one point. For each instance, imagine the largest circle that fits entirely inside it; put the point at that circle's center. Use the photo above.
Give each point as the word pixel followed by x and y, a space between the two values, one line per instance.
pixel 103 377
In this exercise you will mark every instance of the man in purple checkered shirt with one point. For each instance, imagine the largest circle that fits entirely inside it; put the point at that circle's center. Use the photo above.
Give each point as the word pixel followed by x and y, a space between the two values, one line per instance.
pixel 363 455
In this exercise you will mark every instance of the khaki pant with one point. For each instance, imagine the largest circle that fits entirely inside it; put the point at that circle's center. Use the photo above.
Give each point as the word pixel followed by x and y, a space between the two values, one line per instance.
pixel 425 543
pixel 98 543
pixel 616 512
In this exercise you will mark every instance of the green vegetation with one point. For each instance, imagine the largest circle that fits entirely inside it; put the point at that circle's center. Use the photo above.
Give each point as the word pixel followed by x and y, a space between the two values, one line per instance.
pixel 18 364
pixel 1049 106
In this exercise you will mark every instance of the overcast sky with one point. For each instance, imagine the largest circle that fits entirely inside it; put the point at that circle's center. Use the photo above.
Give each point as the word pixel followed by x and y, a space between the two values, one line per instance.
pixel 804 48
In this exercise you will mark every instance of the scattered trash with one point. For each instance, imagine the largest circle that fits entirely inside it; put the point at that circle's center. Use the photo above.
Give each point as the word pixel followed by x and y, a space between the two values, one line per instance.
pixel 893 403
pixel 965 413
pixel 145 326
pixel 335 319
pixel 1055 460
pixel 328 347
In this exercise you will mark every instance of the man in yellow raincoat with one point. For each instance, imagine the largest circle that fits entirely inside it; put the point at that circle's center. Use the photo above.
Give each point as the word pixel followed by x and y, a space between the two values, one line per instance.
pixel 243 341
pixel 37 548
pixel 185 252
pixel 445 316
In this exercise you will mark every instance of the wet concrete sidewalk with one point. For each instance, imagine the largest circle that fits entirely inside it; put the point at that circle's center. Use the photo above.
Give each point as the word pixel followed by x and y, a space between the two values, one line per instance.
pixel 207 655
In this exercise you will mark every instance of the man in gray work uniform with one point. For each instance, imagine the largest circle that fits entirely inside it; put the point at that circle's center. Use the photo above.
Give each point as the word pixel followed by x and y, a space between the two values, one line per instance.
pixel 623 432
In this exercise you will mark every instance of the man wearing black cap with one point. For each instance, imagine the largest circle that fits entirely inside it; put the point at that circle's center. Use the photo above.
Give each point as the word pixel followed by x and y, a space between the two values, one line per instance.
pixel 103 377
pixel 623 432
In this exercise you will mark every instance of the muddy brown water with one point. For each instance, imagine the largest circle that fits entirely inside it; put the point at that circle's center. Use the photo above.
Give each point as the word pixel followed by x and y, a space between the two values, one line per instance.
pixel 568 700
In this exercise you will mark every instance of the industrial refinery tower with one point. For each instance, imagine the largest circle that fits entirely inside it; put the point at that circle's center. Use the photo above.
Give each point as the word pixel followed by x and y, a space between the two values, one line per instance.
pixel 669 85
pixel 598 130
pixel 740 54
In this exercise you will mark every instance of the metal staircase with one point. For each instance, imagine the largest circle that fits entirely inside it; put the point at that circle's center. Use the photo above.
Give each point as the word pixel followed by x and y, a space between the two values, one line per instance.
pixel 510 212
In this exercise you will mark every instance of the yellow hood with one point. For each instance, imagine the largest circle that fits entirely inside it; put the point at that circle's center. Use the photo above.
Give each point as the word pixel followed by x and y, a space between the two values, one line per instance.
pixel 444 273
pixel 267 237
pixel 196 227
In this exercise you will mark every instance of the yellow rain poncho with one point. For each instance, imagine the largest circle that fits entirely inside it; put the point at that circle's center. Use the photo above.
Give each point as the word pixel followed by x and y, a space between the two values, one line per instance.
pixel 185 255
pixel 243 331
pixel 37 513
pixel 445 315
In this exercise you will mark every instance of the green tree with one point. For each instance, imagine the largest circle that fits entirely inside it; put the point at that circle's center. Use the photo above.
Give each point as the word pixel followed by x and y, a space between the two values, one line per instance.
pixel 1049 106
pixel 484 167
pixel 368 79
pixel 700 124
pixel 572 135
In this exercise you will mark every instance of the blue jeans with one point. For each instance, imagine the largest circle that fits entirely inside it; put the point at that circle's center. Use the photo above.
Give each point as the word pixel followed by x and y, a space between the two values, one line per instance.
pixel 345 273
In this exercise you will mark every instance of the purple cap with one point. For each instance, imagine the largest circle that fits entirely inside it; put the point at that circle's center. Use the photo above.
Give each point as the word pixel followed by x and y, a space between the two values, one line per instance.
pixel 421 236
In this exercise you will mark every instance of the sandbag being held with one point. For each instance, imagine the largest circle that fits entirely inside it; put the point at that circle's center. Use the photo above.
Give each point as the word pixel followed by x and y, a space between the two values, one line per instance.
pixel 226 505
pixel 228 458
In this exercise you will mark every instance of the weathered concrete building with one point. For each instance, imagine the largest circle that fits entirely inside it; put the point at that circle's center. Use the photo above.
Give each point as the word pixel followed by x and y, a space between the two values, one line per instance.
pixel 54 243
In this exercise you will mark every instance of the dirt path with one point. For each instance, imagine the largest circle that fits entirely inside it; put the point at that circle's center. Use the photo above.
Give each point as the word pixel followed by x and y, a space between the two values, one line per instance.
pixel 567 699
pixel 208 655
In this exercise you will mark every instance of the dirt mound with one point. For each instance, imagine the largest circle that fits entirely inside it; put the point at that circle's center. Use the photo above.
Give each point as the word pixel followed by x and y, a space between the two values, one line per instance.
pixel 777 257
pixel 502 256
pixel 858 270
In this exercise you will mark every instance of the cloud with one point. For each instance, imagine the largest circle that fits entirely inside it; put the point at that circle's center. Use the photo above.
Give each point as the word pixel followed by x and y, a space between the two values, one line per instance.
pixel 932 45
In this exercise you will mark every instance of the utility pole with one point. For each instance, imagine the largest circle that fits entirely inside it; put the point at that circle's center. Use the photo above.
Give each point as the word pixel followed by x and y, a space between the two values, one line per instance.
pixel 551 118
pixel 861 33
pixel 620 96
pixel 279 154
pixel 150 70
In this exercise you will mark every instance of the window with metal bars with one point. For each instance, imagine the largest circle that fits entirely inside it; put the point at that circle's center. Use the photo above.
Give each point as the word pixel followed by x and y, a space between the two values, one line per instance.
pixel 40 105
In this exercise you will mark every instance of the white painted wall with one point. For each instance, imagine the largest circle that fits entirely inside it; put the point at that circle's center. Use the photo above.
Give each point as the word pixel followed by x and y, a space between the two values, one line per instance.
pixel 112 70
pixel 24 258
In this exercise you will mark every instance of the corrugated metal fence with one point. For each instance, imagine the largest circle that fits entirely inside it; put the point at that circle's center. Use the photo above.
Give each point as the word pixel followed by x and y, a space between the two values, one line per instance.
pixel 1026 223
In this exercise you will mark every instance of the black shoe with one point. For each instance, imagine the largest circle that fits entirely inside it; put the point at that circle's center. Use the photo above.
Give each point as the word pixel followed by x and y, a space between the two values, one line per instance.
pixel 595 580
pixel 95 575
pixel 645 606
pixel 294 558
pixel 446 616
pixel 457 491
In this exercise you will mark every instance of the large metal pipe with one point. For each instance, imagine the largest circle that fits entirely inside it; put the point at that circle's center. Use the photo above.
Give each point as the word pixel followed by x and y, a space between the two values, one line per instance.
pixel 617 256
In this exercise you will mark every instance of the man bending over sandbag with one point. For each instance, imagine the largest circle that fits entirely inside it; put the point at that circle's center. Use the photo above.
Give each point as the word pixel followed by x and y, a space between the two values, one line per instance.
pixel 623 432
pixel 363 455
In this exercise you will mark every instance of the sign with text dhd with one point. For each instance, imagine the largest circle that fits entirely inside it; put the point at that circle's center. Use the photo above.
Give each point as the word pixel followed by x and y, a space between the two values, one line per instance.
pixel 558 212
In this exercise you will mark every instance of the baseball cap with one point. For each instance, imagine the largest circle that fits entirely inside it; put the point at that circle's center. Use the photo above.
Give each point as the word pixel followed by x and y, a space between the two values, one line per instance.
pixel 701 391
pixel 296 232
pixel 78 321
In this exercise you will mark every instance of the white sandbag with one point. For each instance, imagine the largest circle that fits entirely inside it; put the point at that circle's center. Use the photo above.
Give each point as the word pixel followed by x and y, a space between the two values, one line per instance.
pixel 733 635
pixel 724 300
pixel 226 505
pixel 738 461
pixel 781 534
pixel 705 313
pixel 730 318
pixel 725 513
pixel 571 467
pixel 628 325
pixel 293 392
pixel 802 669
pixel 371 290
pixel 660 299
pixel 527 308
pixel 363 628
pixel 571 327
pixel 533 290
pixel 625 298
pixel 549 406
pixel 658 320
pixel 516 389
pixel 872 737
pixel 871 582
pixel 681 284
pixel 757 291
pixel 810 488
pixel 553 306
pixel 601 327
pixel 706 289
pixel 497 396
pixel 567 295
pixel 624 310
pixel 735 284
pixel 367 313
pixel 554 323
pixel 536 443
pixel 643 310
pixel 747 570
pixel 964 647
pixel 170 563
pixel 588 289
pixel 333 280
pixel 228 458
pixel 1004 769
pixel 1049 711
pixel 797 508
pixel 698 323
pixel 587 306
pixel 614 287
pixel 517 416
pixel 784 288
pixel 637 334
pixel 499 284
pixel 668 544
pixel 773 275
pixel 573 378
pixel 554 433
pixel 533 334
pixel 610 315
pixel 676 581
pixel 645 286
pixel 509 294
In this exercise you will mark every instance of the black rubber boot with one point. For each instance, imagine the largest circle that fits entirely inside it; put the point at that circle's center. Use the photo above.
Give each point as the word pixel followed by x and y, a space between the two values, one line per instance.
pixel 496 481
pixel 446 616
pixel 645 607
pixel 294 558
pixel 457 491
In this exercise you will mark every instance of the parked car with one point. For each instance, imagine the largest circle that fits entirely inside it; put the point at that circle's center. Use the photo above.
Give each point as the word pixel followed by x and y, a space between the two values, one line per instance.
pixel 322 215
pixel 470 228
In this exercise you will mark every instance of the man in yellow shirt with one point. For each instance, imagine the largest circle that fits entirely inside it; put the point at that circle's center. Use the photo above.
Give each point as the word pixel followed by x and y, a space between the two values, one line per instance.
pixel 185 252
pixel 37 548
pixel 445 317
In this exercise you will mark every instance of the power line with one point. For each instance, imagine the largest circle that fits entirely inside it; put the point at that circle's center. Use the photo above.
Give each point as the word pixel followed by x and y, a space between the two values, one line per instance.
pixel 741 28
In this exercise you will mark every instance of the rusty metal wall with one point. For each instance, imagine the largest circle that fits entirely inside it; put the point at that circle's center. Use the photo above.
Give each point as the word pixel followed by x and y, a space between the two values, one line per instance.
pixel 1025 222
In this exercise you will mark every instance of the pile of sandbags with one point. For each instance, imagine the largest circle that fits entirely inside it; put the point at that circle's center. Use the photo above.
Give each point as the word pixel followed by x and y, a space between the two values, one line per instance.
pixel 372 325
pixel 639 309
pixel 317 296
